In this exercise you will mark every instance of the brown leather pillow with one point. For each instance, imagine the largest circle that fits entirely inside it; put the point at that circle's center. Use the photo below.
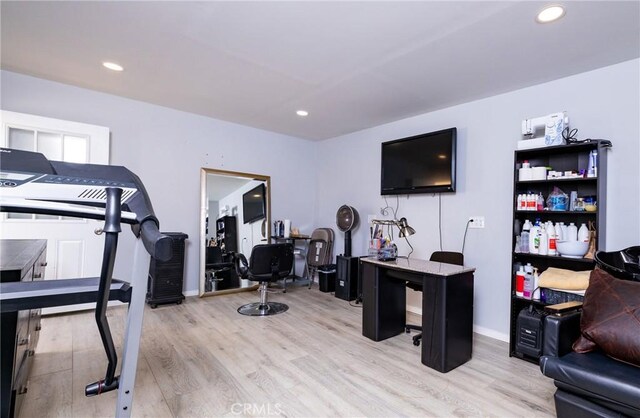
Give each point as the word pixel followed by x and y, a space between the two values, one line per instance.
pixel 611 318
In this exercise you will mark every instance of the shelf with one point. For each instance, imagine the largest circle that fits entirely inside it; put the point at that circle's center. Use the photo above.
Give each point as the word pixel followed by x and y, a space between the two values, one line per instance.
pixel 534 301
pixel 554 212
pixel 560 180
pixel 555 257
pixel 558 149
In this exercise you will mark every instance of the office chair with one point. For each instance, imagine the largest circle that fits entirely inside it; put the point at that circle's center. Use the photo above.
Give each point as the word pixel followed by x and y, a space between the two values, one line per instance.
pixel 449 257
pixel 268 262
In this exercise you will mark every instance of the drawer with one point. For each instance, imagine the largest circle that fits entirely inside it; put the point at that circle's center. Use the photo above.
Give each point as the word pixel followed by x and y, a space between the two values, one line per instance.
pixel 21 386
pixel 23 340
pixel 39 267
pixel 34 327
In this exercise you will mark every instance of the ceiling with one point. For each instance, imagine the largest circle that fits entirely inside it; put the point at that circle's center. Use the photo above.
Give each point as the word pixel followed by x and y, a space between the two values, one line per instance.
pixel 351 65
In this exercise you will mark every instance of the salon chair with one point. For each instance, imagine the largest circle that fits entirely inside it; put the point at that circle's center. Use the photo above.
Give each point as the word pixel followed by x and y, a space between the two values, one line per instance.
pixel 449 257
pixel 268 263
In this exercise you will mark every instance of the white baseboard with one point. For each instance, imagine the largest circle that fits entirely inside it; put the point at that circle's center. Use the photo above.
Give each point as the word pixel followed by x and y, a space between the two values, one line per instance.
pixel 477 329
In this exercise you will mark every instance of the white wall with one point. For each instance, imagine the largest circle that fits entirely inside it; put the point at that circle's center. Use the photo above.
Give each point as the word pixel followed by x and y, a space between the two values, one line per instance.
pixel 602 104
pixel 166 149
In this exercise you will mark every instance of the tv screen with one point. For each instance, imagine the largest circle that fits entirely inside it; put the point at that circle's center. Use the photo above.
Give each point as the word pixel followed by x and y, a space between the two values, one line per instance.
pixel 254 204
pixel 420 164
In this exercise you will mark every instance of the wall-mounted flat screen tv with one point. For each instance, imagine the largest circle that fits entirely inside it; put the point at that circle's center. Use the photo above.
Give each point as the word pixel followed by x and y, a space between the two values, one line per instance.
pixel 420 164
pixel 254 204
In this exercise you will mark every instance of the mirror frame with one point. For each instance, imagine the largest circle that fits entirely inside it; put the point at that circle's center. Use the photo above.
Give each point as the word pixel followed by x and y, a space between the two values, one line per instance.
pixel 203 214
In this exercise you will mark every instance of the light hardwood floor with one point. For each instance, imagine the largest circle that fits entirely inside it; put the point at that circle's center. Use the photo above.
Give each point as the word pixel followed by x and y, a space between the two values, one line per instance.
pixel 202 358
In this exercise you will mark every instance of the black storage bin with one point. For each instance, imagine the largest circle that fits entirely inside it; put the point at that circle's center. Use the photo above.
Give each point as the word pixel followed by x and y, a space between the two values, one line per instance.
pixel 166 277
pixel 327 278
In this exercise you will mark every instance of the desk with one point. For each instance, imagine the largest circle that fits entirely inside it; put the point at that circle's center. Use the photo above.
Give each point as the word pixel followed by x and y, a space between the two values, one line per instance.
pixel 447 306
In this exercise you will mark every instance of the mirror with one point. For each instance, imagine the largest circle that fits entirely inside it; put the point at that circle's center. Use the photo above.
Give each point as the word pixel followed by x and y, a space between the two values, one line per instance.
pixel 235 215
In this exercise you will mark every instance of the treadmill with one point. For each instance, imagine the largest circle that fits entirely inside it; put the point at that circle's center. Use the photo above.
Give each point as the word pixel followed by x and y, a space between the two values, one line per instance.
pixel 29 183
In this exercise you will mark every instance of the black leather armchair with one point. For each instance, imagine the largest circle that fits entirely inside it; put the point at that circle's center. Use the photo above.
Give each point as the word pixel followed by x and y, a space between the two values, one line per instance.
pixel 590 384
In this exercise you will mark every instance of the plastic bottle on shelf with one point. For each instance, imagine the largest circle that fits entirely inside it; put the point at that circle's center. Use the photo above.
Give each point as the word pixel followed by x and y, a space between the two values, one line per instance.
pixel 524 237
pixel 531 203
pixel 565 231
pixel 543 246
pixel 539 202
pixel 520 282
pixel 536 281
pixel 527 290
pixel 558 231
pixel 572 232
pixel 552 239
pixel 583 233
pixel 534 237
pixel 519 202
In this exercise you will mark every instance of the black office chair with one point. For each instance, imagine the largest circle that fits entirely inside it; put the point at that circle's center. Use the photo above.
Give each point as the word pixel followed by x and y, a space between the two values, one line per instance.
pixel 449 257
pixel 268 262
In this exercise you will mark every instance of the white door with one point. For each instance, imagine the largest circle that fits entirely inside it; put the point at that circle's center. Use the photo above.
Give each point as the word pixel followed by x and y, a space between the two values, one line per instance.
pixel 73 249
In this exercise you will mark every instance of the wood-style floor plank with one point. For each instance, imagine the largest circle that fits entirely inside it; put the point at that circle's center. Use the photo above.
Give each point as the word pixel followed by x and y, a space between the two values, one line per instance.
pixel 203 359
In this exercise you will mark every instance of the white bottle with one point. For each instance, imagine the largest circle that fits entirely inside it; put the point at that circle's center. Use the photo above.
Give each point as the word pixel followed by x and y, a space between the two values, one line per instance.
pixel 536 289
pixel 528 281
pixel 524 237
pixel 572 232
pixel 565 232
pixel 534 239
pixel 583 233
pixel 519 202
pixel 551 236
pixel 543 246
pixel 558 231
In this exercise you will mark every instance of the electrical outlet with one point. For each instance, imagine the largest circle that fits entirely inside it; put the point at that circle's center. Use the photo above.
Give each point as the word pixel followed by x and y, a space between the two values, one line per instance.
pixel 476 222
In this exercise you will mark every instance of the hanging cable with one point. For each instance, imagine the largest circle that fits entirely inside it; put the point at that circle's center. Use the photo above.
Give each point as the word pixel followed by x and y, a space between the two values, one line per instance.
pixel 411 246
pixel 385 210
pixel 464 239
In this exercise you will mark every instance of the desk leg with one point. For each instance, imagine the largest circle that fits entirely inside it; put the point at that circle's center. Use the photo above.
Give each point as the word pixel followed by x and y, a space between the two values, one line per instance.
pixel 447 321
pixel 383 304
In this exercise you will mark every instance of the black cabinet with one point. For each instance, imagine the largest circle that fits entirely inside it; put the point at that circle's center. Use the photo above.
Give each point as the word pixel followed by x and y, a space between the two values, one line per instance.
pixel 572 157
pixel 227 234
pixel 166 277
pixel 20 260
pixel 346 287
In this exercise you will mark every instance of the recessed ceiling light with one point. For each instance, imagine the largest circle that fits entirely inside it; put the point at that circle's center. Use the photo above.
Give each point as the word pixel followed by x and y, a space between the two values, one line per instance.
pixel 113 66
pixel 302 113
pixel 549 14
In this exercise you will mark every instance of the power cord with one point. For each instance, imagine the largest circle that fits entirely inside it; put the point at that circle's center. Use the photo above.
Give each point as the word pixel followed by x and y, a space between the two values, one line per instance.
pixel 464 239
pixel 571 136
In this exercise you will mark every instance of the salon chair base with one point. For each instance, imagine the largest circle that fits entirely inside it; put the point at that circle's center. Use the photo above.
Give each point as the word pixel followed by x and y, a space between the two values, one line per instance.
pixel 259 309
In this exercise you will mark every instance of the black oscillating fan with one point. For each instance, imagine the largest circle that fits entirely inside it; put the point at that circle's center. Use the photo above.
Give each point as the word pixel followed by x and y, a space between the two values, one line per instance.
pixel 347 219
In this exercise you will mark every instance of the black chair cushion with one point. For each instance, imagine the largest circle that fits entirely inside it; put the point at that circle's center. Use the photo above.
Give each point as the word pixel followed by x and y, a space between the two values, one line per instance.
pixel 596 376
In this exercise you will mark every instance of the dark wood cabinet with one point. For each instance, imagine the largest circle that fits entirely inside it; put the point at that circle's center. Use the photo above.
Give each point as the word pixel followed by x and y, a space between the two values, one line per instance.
pixel 20 260
pixel 227 234
pixel 572 157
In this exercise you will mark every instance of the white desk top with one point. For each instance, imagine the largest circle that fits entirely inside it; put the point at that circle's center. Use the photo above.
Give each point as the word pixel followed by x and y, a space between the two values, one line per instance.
pixel 421 266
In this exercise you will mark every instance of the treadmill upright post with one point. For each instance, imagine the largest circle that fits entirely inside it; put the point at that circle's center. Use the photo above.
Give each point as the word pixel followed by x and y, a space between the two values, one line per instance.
pixel 133 330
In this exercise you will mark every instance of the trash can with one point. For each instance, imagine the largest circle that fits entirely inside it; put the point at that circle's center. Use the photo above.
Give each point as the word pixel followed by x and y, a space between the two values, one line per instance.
pixel 327 278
